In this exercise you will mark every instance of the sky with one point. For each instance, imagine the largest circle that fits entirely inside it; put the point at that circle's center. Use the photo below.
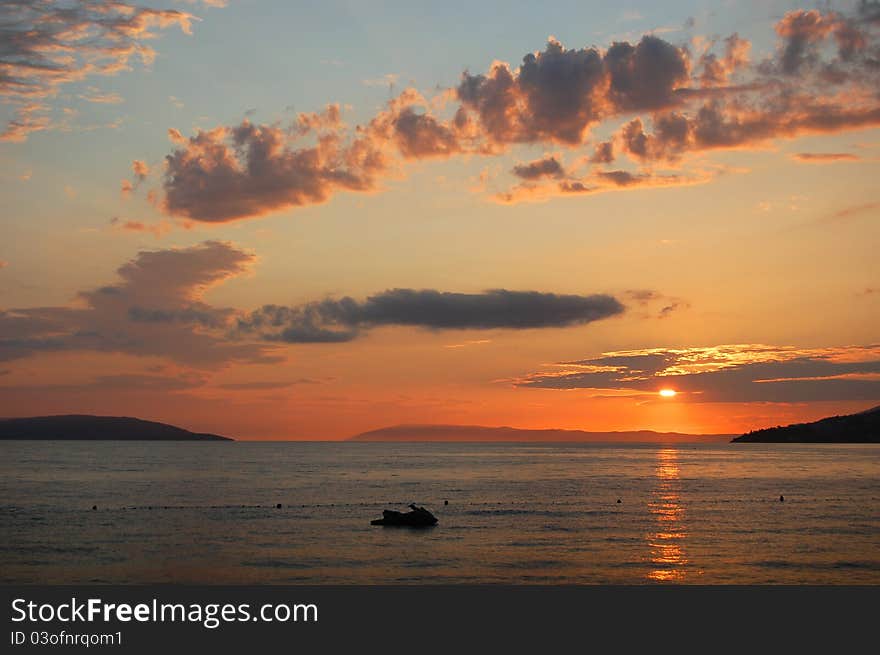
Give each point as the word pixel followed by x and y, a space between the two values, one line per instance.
pixel 279 221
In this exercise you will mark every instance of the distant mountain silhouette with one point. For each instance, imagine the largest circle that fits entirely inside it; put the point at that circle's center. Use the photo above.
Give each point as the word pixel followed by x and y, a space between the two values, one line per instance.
pixel 863 427
pixel 452 433
pixel 81 427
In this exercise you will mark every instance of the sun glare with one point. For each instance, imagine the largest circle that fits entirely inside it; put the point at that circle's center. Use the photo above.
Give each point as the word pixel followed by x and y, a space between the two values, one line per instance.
pixel 667 393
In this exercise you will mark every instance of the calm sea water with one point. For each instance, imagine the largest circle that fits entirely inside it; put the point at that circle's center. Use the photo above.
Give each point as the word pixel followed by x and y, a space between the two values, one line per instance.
pixel 206 512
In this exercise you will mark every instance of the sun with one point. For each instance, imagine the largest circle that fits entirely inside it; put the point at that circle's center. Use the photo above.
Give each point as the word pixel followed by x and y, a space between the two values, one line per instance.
pixel 668 393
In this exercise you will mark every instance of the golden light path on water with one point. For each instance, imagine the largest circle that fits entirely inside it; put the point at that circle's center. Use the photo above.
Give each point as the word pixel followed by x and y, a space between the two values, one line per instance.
pixel 668 555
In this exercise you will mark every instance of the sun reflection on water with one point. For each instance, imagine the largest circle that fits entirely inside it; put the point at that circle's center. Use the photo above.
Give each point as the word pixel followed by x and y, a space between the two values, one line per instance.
pixel 668 556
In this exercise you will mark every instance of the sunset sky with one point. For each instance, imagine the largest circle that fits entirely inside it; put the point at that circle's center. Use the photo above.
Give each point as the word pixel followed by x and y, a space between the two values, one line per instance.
pixel 272 220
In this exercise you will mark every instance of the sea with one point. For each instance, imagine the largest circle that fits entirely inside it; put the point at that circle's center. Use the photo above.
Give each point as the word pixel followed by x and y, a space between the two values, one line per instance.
pixel 189 512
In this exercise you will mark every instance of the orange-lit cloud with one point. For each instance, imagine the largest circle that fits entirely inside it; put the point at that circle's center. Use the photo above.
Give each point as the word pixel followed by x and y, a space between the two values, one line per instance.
pixel 140 172
pixel 821 79
pixel 727 373
pixel 716 69
pixel 158 230
pixel 49 44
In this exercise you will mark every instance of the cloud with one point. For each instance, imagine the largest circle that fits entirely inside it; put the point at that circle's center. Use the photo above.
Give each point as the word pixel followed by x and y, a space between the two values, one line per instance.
pixel 603 153
pixel 154 309
pixel 824 157
pixel 716 69
pixel 420 135
pixel 51 43
pixel 249 170
pixel 28 118
pixel 97 97
pixel 140 172
pixel 158 230
pixel 263 386
pixel 655 304
pixel 126 382
pixel 546 167
pixel 726 373
pixel 532 190
pixel 821 79
pixel 557 94
pixel 332 321
pixel 853 210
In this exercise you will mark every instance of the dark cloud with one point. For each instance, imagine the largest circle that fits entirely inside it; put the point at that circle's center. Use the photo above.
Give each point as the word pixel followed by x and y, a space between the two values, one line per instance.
pixel 533 170
pixel 645 76
pixel 717 126
pixel 420 135
pixel 156 309
pixel 603 153
pixel 824 157
pixel 869 11
pixel 596 182
pixel 802 32
pixel 341 320
pixel 557 94
pixel 619 178
pixel 822 80
pixel 729 373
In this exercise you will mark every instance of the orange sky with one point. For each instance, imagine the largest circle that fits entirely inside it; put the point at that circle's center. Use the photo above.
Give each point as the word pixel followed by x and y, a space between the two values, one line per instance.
pixel 320 244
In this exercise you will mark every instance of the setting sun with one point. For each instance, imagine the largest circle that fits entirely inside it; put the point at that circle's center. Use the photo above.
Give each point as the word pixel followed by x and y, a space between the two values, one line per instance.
pixel 667 393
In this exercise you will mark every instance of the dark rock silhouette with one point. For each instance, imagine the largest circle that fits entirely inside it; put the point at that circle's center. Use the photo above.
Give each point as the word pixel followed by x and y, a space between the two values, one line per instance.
pixel 82 427
pixel 863 427
pixel 418 517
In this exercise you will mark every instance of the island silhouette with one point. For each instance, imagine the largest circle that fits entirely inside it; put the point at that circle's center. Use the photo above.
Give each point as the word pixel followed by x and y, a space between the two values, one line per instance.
pixel 83 427
pixel 863 427
pixel 481 433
